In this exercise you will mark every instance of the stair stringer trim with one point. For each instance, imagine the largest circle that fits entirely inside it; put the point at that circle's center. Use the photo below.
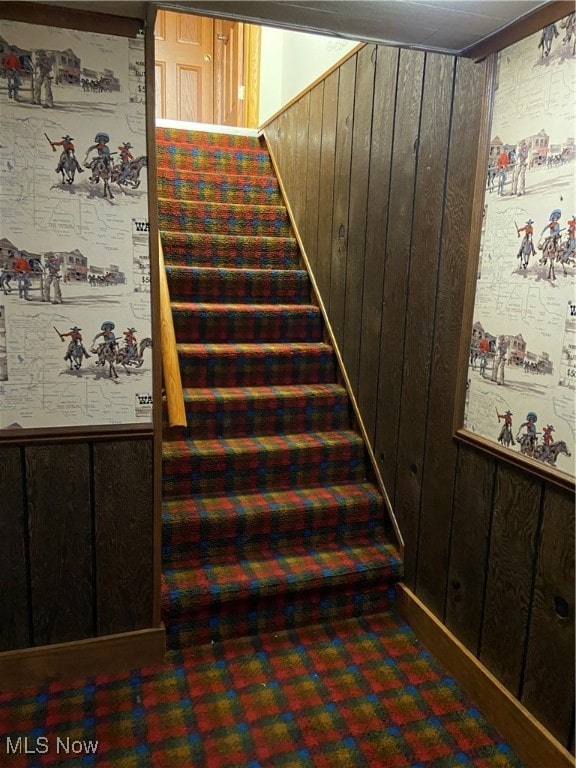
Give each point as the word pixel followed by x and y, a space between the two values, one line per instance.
pixel 359 425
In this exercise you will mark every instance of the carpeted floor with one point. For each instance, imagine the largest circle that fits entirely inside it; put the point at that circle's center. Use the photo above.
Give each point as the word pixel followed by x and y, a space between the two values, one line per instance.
pixel 360 692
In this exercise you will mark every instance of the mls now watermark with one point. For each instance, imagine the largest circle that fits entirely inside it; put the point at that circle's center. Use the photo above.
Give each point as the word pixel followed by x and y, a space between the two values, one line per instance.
pixel 23 745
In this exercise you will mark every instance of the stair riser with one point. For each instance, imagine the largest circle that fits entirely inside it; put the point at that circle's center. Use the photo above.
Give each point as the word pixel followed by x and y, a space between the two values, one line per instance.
pixel 213 141
pixel 239 286
pixel 241 370
pixel 228 160
pixel 243 418
pixel 230 252
pixel 242 190
pixel 202 325
pixel 240 221
pixel 245 472
pixel 275 614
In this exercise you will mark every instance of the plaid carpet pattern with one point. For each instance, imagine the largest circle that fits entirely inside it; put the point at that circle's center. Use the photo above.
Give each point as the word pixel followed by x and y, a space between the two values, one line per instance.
pixel 355 693
pixel 270 521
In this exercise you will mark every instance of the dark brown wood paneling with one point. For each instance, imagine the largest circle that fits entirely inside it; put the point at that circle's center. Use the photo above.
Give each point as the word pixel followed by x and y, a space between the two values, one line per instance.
pixel 300 158
pixel 376 225
pixel 58 488
pixel 512 559
pixel 469 546
pixel 310 237
pixel 339 240
pixel 440 456
pixel 548 688
pixel 422 261
pixel 123 524
pixel 14 615
pixel 403 173
pixel 326 197
pixel 355 262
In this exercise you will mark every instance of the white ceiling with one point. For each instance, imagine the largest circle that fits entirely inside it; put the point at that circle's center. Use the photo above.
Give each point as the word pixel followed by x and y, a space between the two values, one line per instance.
pixel 450 26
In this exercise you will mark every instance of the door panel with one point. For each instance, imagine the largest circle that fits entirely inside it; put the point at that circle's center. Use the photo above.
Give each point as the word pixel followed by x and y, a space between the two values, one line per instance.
pixel 229 56
pixel 184 50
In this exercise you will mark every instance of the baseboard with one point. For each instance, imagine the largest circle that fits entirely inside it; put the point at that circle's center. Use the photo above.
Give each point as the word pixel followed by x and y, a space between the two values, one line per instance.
pixel 85 658
pixel 533 743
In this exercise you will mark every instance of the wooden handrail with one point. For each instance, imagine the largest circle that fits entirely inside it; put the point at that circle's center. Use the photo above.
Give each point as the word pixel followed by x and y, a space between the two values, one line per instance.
pixel 170 363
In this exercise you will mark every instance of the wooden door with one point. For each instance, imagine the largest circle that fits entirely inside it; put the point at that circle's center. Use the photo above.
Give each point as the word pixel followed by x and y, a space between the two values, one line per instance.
pixel 184 52
pixel 229 72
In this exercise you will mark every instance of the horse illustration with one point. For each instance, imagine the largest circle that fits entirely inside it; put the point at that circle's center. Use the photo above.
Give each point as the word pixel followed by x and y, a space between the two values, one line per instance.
pixel 550 453
pixel 101 168
pixel 548 34
pixel 107 354
pixel 527 444
pixel 75 354
pixel 68 168
pixel 137 358
pixel 550 254
pixel 526 250
pixel 129 176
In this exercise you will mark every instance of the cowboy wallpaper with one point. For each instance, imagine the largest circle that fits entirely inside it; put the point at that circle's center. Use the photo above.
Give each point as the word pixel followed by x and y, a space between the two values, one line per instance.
pixel 75 316
pixel 521 385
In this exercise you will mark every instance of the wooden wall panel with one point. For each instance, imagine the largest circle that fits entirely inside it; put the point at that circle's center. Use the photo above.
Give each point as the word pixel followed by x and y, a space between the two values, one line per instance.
pixel 326 192
pixel 398 237
pixel 471 520
pixel 376 226
pixel 440 456
pixel 360 164
pixel 340 211
pixel 123 535
pixel 59 509
pixel 310 236
pixel 14 608
pixel 422 261
pixel 544 691
pixel 512 557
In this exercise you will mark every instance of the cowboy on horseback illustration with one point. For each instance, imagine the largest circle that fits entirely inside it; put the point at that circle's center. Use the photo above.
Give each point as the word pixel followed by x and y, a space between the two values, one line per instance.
pixel 126 158
pixel 505 437
pixel 527 245
pixel 130 346
pixel 68 152
pixel 528 439
pixel 75 341
pixel 108 338
pixel 101 146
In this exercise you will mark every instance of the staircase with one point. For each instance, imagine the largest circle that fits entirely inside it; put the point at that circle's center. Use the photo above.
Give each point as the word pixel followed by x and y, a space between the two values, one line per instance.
pixel 269 519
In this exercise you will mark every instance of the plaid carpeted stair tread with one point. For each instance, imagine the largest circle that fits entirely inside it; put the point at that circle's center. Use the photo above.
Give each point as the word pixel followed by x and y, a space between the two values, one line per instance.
pixel 253 365
pixel 237 465
pixel 209 140
pixel 229 527
pixel 210 284
pixel 233 251
pixel 247 161
pixel 224 218
pixel 246 323
pixel 239 412
pixel 219 187
pixel 202 583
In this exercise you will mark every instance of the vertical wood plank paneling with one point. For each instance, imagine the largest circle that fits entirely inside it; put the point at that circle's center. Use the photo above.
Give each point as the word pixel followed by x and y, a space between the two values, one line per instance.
pixel 423 261
pixel 59 498
pixel 361 142
pixel 548 687
pixel 469 546
pixel 123 525
pixel 326 192
pixel 339 243
pixel 440 448
pixel 300 155
pixel 310 238
pixel 14 616
pixel 376 225
pixel 403 173
pixel 512 559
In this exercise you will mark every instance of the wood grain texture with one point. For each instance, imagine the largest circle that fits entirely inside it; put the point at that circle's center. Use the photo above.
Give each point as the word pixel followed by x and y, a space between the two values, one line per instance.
pixel 376 225
pixel 512 558
pixel 326 196
pixel 170 362
pixel 299 146
pixel 440 456
pixel 548 683
pixel 422 261
pixel 401 199
pixel 359 171
pixel 59 510
pixel 14 617
pixel 469 545
pixel 310 237
pixel 124 533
